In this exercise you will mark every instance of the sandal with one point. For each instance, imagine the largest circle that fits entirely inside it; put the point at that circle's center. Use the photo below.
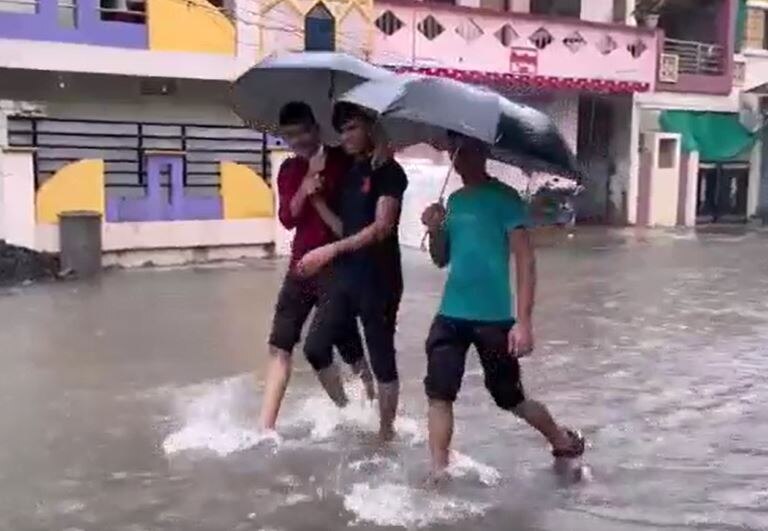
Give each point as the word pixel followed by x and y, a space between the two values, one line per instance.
pixel 575 448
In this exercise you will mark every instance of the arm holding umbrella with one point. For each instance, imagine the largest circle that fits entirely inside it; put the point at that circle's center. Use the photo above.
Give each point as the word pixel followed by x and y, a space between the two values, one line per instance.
pixel 434 219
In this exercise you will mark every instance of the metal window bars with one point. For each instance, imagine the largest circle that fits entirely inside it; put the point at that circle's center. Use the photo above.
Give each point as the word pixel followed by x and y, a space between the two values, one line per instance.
pixel 697 57
pixel 124 147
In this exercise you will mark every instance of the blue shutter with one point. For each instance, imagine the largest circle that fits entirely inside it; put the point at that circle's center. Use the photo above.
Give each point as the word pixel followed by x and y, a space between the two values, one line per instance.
pixel 319 30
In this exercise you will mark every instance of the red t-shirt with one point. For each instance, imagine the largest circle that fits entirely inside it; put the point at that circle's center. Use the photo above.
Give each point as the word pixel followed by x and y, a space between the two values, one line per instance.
pixel 311 230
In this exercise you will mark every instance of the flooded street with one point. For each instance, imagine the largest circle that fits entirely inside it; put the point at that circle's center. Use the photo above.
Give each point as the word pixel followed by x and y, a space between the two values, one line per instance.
pixel 131 405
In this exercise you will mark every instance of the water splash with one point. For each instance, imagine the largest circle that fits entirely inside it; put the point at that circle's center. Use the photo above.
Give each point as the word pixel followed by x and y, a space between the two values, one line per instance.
pixel 215 417
pixel 390 504
pixel 463 465
pixel 323 418
pixel 373 463
pixel 219 417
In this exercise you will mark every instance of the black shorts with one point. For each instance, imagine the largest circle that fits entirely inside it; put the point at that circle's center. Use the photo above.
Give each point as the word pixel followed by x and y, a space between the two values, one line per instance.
pixel 447 345
pixel 376 305
pixel 294 303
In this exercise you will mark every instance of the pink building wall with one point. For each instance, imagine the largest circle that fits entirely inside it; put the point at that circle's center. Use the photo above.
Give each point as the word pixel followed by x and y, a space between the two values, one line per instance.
pixel 470 40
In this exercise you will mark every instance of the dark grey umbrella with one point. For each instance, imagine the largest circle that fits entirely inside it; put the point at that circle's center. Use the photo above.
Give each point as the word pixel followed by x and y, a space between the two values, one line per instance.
pixel 315 78
pixel 421 109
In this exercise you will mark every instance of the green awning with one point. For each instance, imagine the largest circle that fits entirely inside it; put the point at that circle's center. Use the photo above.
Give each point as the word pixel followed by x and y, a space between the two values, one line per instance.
pixel 717 136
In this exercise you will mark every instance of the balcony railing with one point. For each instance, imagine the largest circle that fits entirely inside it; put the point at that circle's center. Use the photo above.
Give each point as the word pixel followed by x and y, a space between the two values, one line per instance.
pixel 697 58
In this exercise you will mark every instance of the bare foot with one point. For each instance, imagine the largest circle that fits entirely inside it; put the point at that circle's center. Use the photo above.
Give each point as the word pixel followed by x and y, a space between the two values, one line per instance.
pixel 386 434
pixel 437 478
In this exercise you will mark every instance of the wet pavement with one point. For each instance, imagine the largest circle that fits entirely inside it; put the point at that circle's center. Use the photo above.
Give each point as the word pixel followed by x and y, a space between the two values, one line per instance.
pixel 130 405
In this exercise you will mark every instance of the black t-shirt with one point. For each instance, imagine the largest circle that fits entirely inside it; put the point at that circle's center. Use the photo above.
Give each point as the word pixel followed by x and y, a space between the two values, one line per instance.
pixel 360 192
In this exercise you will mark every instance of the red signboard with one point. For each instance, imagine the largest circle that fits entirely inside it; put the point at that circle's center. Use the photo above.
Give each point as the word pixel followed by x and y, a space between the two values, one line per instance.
pixel 523 61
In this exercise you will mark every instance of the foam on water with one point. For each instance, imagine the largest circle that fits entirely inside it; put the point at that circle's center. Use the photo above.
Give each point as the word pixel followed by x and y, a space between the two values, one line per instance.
pixel 462 466
pixel 219 417
pixel 324 418
pixel 390 504
pixel 375 462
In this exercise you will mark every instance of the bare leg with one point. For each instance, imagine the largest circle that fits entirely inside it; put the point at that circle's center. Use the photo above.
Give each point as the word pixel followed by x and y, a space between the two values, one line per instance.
pixel 363 370
pixel 278 375
pixel 330 379
pixel 537 415
pixel 440 425
pixel 388 398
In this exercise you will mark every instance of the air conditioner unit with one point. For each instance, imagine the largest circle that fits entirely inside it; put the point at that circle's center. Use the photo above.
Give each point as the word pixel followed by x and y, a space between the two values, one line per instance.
pixel 669 67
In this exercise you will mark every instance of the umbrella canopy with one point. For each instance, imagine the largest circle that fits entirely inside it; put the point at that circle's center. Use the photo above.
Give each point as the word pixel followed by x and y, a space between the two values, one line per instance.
pixel 421 109
pixel 315 78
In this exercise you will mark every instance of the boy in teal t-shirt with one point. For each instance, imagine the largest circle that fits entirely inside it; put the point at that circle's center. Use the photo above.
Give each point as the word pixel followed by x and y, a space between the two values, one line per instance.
pixel 486 221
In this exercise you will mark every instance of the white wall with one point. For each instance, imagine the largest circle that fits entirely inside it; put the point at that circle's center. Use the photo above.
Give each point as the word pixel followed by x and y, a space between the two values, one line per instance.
pixel 81 96
pixel 665 186
pixel 597 10
pixel 17 198
pixel 170 234
pixel 62 57
pixel 647 107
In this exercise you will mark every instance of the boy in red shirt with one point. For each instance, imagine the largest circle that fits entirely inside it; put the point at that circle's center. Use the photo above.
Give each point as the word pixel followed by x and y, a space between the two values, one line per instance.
pixel 308 187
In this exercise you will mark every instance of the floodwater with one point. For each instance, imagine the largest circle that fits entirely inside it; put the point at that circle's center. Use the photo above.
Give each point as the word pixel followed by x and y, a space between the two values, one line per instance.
pixel 130 405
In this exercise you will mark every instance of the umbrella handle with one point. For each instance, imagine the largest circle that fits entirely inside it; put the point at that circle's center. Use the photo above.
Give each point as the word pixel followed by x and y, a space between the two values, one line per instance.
pixel 440 199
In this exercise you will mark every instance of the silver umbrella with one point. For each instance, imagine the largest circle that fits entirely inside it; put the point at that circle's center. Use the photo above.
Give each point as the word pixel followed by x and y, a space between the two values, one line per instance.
pixel 421 109
pixel 312 77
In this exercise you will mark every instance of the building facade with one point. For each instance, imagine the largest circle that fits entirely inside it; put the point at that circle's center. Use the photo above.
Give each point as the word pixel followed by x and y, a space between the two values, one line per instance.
pixel 122 106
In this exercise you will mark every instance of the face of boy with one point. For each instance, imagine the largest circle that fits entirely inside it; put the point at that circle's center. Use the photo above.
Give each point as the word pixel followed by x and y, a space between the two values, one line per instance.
pixel 356 136
pixel 470 157
pixel 302 139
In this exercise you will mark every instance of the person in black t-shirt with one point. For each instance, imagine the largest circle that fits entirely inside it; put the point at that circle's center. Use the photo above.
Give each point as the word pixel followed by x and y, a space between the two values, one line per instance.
pixel 367 274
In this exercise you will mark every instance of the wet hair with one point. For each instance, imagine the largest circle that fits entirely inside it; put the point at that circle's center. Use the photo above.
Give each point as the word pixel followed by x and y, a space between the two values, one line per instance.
pixel 460 139
pixel 297 113
pixel 344 112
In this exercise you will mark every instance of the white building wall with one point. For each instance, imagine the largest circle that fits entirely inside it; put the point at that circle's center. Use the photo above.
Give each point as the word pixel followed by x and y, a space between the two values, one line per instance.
pixel 63 57
pixel 597 10
pixel 118 98
pixel 645 113
pixel 17 198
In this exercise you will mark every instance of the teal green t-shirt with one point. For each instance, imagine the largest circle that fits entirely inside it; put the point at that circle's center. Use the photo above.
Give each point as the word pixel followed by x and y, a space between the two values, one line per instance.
pixel 478 221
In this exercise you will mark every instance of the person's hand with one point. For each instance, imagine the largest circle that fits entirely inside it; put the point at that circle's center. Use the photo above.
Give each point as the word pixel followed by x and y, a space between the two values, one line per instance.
pixel 311 185
pixel 433 217
pixel 521 340
pixel 314 261
pixel 317 162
